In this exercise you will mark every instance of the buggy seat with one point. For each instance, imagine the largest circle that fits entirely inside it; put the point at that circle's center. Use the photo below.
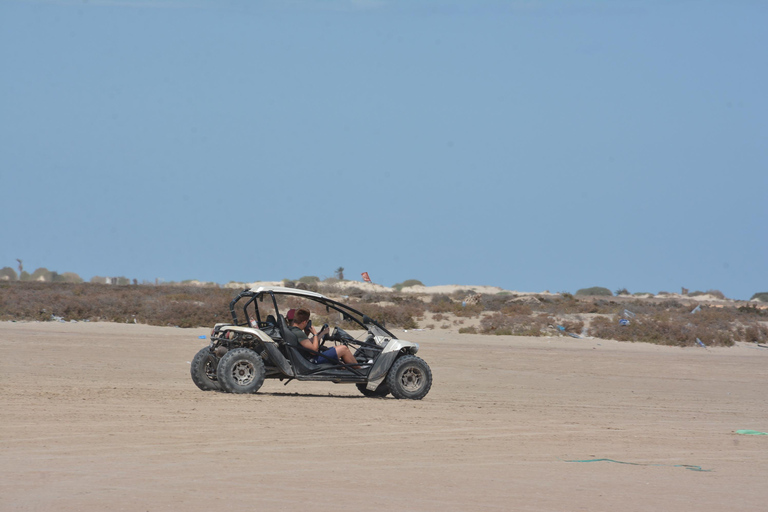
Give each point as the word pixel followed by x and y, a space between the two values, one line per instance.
pixel 296 353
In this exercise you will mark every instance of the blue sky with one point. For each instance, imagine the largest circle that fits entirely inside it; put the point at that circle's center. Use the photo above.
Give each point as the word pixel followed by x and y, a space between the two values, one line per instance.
pixel 533 145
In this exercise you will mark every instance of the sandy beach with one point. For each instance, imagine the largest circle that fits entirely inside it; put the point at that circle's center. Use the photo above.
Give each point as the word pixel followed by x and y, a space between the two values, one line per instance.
pixel 104 417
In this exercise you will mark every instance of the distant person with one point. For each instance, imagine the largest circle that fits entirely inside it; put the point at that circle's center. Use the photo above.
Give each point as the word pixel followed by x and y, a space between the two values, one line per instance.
pixel 313 339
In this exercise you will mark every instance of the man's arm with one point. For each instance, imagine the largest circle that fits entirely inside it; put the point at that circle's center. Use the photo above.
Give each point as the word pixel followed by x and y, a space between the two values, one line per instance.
pixel 311 344
pixel 314 343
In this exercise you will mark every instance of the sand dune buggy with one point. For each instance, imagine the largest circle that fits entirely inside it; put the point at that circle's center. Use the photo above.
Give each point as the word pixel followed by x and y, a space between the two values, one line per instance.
pixel 255 347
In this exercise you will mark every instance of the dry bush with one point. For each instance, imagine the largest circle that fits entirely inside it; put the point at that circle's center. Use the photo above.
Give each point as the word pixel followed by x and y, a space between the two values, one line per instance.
pixel 495 302
pixel 516 309
pixel 756 333
pixel 461 293
pixel 520 325
pixel 440 303
pixel 714 293
pixel 374 297
pixel 680 328
pixel 752 311
pixel 468 311
pixel 667 322
pixel 570 325
pixel 407 283
pixel 569 305
pixel 329 288
pixel 398 315
pixel 354 291
pixel 594 291
pixel 183 306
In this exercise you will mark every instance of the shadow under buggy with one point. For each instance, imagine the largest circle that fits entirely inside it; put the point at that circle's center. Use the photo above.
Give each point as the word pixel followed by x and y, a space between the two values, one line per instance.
pixel 244 353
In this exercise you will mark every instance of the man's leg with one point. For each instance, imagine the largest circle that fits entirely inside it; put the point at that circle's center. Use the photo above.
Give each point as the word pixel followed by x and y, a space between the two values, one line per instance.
pixel 346 355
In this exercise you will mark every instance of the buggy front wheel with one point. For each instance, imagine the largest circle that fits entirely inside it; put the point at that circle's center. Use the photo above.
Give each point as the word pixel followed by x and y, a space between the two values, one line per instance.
pixel 380 392
pixel 409 377
pixel 241 371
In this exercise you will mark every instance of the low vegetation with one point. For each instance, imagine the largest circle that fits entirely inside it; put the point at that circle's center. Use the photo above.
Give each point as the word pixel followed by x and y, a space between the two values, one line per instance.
pixel 595 291
pixel 182 306
pixel 407 283
pixel 714 293
pixel 670 321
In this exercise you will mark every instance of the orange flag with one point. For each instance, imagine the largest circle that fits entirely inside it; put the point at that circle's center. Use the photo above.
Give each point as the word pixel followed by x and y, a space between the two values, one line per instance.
pixel 366 277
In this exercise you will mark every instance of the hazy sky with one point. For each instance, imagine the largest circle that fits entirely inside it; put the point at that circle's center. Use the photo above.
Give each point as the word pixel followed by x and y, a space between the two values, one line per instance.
pixel 530 144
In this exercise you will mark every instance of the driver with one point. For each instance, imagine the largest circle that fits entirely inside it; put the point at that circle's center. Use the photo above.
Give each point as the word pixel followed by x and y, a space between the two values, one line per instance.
pixel 331 355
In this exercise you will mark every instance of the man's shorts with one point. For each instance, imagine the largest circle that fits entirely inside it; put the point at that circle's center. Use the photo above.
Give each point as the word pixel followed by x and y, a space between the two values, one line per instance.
pixel 327 356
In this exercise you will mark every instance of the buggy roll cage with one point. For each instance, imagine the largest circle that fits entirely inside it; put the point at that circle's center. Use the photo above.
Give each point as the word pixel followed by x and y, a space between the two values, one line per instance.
pixel 259 294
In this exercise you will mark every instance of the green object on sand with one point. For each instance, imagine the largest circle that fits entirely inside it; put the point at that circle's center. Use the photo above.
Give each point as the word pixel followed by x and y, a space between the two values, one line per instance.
pixel 752 433
pixel 686 466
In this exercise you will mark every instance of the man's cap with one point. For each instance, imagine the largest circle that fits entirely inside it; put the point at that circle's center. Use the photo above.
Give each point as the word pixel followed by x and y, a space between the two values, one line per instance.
pixel 289 315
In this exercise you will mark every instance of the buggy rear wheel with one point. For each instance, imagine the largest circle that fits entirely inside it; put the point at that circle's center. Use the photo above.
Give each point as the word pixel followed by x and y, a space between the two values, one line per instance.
pixel 203 370
pixel 241 371
pixel 409 377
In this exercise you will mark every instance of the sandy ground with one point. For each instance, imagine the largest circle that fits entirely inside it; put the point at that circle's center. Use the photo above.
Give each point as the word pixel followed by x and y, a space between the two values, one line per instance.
pixel 101 417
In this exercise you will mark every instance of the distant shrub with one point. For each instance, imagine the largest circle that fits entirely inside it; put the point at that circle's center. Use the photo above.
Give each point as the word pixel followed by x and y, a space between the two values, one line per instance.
pixel 622 291
pixel 67 277
pixel 400 315
pixel 761 296
pixel 440 303
pixel 8 274
pixel 714 293
pixel 676 326
pixel 468 311
pixel 461 293
pixel 519 325
pixel 182 306
pixel 309 279
pixel 329 289
pixel 467 330
pixel 757 333
pixel 354 291
pixel 494 302
pixel 407 283
pixel 570 325
pixel 594 291
pixel 42 274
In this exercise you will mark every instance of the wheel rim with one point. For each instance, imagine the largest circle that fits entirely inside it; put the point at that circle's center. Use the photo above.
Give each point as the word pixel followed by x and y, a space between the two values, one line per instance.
pixel 210 370
pixel 243 372
pixel 412 379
